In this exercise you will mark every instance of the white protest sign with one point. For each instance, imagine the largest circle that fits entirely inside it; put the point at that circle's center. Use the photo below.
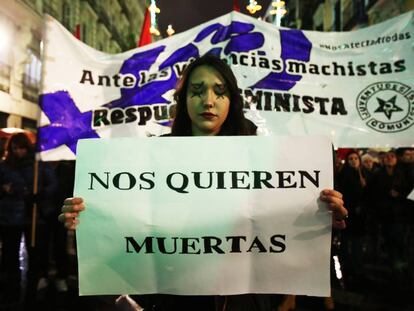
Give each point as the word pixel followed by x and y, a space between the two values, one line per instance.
pixel 204 215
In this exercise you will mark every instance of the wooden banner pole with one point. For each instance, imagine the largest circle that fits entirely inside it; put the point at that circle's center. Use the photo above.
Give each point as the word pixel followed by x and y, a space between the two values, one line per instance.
pixel 34 209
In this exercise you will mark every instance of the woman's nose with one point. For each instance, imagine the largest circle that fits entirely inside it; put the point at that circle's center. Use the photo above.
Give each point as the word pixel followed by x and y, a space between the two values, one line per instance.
pixel 209 99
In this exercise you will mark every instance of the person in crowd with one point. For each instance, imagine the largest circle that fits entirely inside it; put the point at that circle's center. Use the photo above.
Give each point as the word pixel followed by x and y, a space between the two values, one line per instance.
pixel 406 165
pixel 372 247
pixel 351 183
pixel 390 187
pixel 209 104
pixel 369 168
pixel 55 237
pixel 407 155
pixel 368 164
pixel 65 173
pixel 3 143
pixel 338 164
pixel 16 201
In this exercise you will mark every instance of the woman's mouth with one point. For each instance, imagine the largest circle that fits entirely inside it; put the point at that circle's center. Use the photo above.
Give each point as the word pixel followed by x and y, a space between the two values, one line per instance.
pixel 208 115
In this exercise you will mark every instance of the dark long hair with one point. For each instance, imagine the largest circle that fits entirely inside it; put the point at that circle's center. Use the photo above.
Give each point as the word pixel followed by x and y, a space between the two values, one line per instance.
pixel 235 124
pixel 21 140
pixel 346 165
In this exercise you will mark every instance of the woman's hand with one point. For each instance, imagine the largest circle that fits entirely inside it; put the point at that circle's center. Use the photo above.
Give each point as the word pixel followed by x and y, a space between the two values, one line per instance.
pixel 336 205
pixel 70 212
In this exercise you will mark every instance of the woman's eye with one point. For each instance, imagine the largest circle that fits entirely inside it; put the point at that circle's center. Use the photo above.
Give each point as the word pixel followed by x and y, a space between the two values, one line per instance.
pixel 220 91
pixel 220 94
pixel 194 93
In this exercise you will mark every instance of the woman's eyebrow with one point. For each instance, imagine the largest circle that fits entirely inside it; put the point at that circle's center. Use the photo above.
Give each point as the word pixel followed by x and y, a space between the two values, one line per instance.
pixel 196 85
pixel 221 85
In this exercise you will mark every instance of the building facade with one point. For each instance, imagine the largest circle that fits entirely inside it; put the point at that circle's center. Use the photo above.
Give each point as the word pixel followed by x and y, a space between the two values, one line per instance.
pixel 110 26
pixel 341 15
pixel 345 15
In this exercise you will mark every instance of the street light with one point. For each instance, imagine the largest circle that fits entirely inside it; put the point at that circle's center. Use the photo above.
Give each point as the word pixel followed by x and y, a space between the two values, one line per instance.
pixel 279 10
pixel 154 31
pixel 170 30
pixel 153 11
pixel 253 7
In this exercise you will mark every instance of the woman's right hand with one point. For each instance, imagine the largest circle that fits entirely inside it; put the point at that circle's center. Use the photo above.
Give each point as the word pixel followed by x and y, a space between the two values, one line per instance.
pixel 70 212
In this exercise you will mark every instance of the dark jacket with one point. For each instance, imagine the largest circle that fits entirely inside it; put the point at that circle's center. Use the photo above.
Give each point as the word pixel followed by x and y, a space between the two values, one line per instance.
pixel 15 207
pixel 390 209
pixel 349 184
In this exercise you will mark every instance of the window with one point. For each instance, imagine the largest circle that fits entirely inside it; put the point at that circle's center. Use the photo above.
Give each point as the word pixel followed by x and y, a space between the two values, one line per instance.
pixel 347 13
pixel 31 77
pixel 93 34
pixel 6 47
pixel 337 16
pixel 49 7
pixel 3 119
pixel 84 34
pixel 66 12
pixel 29 124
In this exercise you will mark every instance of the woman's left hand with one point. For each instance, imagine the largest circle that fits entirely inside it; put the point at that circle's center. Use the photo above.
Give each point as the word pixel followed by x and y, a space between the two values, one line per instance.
pixel 336 205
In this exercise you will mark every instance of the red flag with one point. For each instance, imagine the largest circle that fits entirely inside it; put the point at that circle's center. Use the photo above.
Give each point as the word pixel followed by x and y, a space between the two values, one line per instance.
pixel 145 37
pixel 236 6
pixel 77 32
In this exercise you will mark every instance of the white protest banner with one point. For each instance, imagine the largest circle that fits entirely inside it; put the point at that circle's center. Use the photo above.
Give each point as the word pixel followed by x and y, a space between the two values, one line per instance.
pixel 204 215
pixel 355 87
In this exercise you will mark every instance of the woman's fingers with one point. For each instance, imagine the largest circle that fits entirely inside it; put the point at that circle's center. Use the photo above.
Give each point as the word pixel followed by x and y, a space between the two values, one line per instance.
pixel 70 212
pixel 70 220
pixel 72 201
pixel 331 193
pixel 62 218
pixel 338 224
pixel 71 225
pixel 73 208
pixel 336 205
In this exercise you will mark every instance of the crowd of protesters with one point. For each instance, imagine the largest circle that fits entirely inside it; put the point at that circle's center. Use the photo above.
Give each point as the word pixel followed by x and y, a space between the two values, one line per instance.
pixel 380 227
pixel 375 186
pixel 18 218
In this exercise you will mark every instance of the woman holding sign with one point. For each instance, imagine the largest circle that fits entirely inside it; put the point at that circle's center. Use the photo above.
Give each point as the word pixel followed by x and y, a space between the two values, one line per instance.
pixel 209 104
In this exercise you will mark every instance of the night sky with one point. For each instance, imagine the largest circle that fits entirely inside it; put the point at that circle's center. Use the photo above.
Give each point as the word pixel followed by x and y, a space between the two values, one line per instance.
pixel 186 14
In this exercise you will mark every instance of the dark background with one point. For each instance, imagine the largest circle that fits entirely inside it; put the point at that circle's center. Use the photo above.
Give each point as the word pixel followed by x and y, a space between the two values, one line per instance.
pixel 186 14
